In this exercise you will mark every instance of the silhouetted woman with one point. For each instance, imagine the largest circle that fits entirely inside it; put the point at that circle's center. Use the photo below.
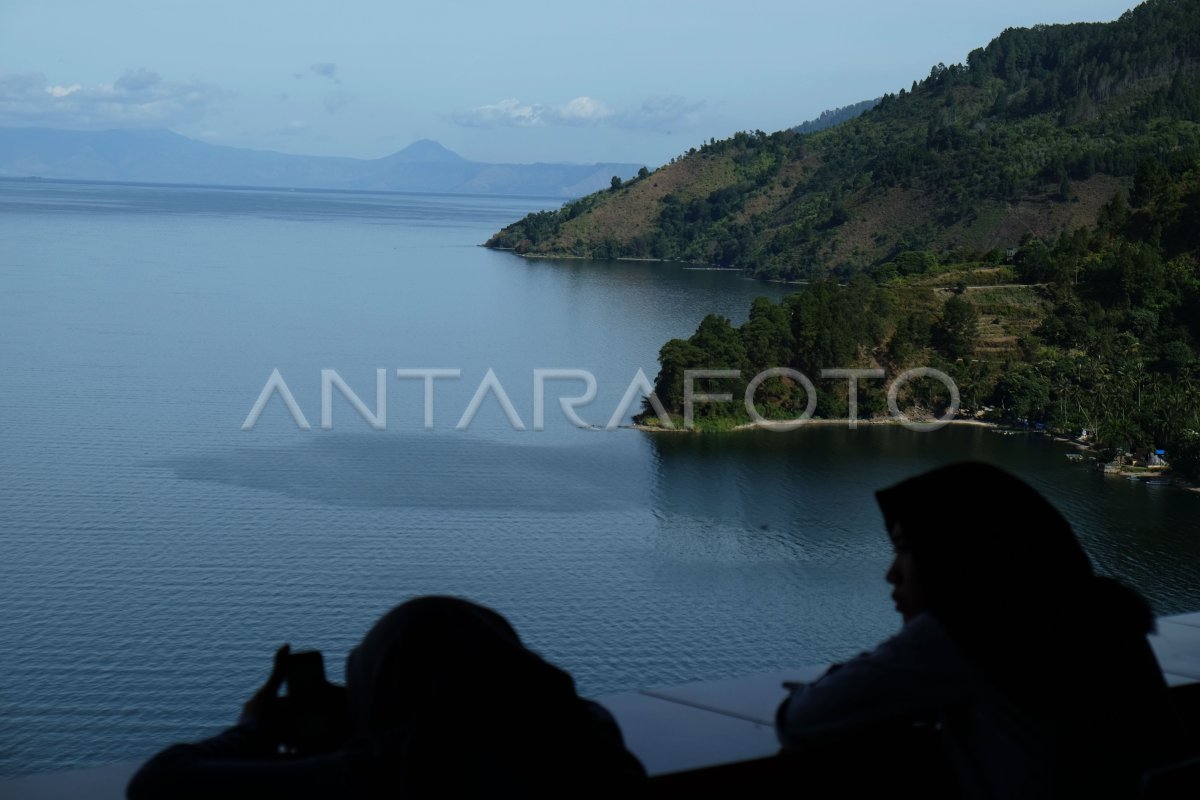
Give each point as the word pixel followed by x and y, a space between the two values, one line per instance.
pixel 443 701
pixel 1035 673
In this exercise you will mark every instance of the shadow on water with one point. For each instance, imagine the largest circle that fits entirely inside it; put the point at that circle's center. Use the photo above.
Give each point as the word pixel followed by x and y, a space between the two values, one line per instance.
pixel 749 497
pixel 453 471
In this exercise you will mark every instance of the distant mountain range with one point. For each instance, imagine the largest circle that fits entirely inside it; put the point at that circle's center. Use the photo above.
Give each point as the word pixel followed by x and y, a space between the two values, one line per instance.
pixel 161 156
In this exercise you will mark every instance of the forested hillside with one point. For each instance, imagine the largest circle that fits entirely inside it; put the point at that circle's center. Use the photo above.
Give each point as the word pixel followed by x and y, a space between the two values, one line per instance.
pixel 1032 135
pixel 1027 222
pixel 1095 330
pixel 836 116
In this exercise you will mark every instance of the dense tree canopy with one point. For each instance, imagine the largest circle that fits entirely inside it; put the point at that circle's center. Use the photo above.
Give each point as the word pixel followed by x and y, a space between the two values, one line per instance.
pixel 1114 347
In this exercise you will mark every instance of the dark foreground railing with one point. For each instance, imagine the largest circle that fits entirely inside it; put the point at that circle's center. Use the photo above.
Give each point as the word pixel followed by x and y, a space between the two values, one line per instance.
pixel 705 738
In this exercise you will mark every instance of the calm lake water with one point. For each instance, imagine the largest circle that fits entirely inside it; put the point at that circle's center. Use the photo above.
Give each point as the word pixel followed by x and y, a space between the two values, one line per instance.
pixel 155 554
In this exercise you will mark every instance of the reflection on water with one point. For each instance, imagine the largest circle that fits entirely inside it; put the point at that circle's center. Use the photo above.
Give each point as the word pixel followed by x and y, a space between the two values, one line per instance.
pixel 817 484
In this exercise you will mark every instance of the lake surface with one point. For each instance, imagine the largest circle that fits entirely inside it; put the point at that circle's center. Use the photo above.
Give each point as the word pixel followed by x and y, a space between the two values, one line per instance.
pixel 155 554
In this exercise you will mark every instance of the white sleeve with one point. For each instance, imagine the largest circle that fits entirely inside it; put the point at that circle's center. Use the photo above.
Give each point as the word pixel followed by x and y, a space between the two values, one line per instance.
pixel 919 669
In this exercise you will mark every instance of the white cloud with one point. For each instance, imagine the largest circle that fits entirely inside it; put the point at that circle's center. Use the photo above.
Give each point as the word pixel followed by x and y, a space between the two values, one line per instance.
pixel 138 98
pixel 512 112
pixel 495 115
pixel 654 112
pixel 583 110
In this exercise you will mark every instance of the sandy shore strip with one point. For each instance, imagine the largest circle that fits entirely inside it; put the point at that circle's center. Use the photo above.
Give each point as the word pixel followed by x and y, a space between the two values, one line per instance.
pixel 821 421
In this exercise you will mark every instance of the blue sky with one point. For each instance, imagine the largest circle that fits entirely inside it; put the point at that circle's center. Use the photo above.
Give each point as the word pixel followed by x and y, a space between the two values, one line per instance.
pixel 496 81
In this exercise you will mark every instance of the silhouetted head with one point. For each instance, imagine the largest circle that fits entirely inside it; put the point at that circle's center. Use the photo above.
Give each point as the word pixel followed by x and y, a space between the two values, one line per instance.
pixel 980 541
pixel 988 555
pixel 433 656
pixel 447 702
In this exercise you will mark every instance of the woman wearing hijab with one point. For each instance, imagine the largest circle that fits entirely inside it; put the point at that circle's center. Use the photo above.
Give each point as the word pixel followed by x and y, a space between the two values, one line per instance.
pixel 1035 673
pixel 443 700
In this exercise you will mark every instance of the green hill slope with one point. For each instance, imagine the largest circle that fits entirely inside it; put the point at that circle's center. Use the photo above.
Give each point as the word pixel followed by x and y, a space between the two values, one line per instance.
pixel 1032 136
pixel 1097 330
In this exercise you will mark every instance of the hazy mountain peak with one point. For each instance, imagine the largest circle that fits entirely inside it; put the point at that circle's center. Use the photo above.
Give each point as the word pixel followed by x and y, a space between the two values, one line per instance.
pixel 425 151
pixel 160 156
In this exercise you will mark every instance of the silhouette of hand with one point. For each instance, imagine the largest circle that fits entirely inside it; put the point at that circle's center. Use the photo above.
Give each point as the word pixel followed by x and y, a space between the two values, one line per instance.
pixel 262 708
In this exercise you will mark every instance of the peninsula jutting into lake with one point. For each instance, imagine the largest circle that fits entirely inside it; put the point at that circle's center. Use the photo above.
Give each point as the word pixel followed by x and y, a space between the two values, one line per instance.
pixel 1024 223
